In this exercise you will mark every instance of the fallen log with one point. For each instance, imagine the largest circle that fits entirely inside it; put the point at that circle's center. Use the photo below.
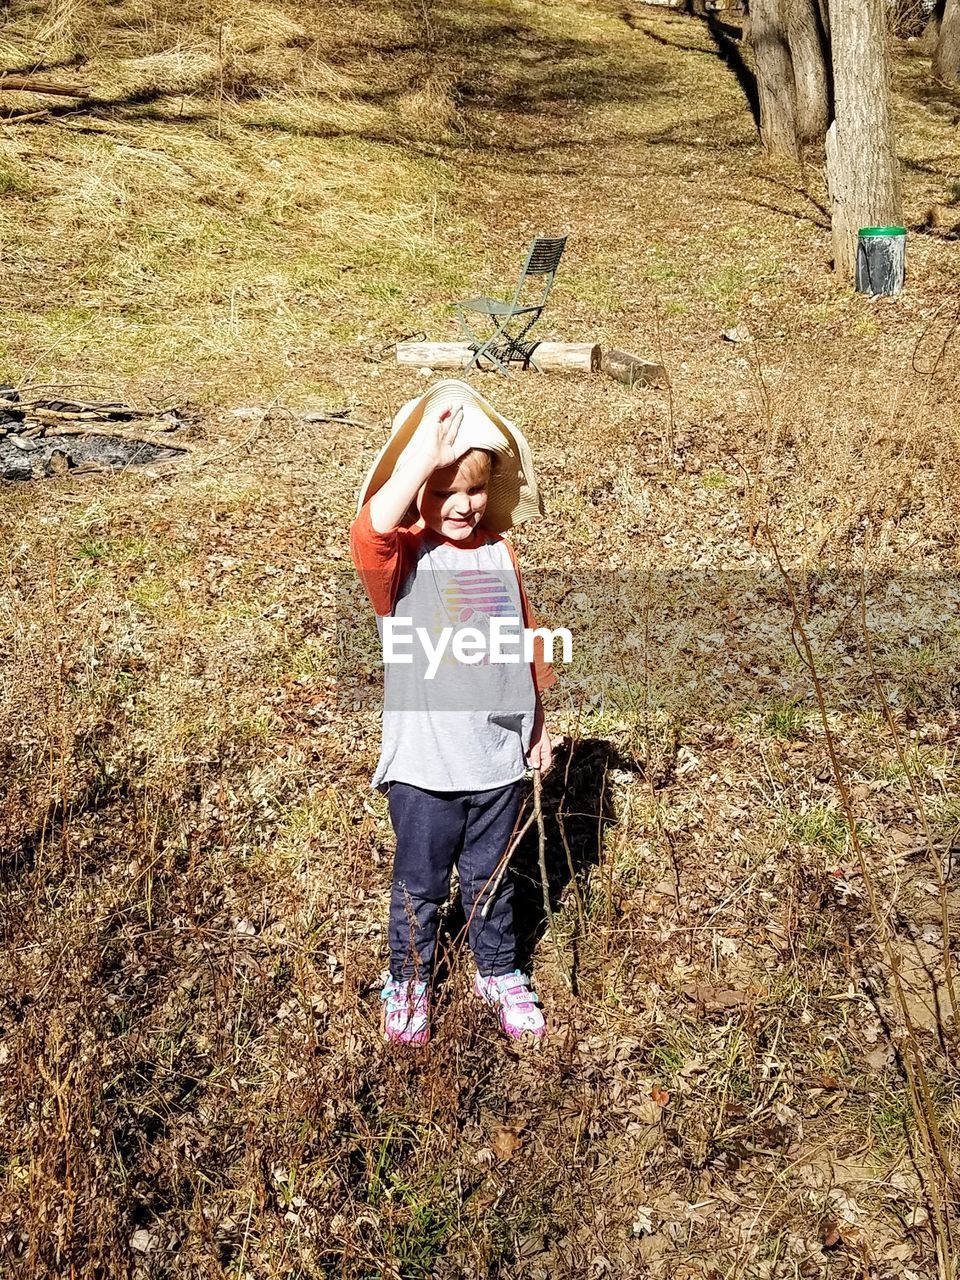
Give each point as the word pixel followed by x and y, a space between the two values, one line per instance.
pixel 552 357
pixel 35 84
pixel 635 372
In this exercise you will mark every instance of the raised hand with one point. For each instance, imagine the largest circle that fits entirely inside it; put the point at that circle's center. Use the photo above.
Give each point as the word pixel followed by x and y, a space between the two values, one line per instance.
pixel 432 447
pixel 434 439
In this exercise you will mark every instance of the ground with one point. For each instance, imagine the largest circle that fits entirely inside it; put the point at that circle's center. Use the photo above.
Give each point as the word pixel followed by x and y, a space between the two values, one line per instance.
pixel 752 1066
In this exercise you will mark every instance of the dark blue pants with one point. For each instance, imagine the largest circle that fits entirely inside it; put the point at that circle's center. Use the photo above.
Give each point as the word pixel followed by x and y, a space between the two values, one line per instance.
pixel 437 830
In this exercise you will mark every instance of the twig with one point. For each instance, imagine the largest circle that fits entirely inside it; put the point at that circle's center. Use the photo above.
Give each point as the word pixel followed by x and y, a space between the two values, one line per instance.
pixel 494 885
pixel 336 418
pixel 935 861
pixel 247 439
pixel 23 115
pixel 58 386
pixel 670 444
pixel 85 411
pixel 568 852
pixel 544 879
pixel 57 429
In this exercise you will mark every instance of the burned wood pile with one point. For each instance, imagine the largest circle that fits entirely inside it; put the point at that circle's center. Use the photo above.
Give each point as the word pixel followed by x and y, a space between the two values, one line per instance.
pixel 45 436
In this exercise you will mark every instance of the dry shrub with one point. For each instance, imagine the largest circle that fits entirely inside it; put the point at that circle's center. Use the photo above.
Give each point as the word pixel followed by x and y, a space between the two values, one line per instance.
pixel 832 448
pixel 908 18
pixel 432 106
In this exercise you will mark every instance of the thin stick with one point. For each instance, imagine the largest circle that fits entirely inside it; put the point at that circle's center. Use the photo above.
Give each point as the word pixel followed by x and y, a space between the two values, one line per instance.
pixel 247 439
pixel 52 429
pixel 337 420
pixel 561 825
pixel 544 881
pixel 31 84
pixel 23 115
pixel 494 886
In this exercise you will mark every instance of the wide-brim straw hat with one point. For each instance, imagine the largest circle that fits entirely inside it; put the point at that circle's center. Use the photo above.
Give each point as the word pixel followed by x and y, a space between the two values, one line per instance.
pixel 512 494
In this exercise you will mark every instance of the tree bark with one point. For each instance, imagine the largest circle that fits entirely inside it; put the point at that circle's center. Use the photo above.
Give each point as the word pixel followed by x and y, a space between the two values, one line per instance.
pixel 862 173
pixel 931 32
pixel 552 357
pixel 776 86
pixel 809 54
pixel 946 60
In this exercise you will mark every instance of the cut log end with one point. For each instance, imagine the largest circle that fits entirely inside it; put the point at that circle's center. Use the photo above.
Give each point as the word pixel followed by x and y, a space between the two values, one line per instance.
pixel 632 370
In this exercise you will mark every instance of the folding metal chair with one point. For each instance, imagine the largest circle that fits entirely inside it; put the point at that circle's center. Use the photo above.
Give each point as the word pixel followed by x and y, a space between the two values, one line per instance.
pixel 507 341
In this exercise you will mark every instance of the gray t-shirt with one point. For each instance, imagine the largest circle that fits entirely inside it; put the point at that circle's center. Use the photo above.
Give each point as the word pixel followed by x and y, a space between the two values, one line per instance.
pixel 450 725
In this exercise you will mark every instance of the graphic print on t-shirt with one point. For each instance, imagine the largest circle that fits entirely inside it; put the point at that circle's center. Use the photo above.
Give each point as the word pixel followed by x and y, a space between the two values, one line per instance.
pixel 471 597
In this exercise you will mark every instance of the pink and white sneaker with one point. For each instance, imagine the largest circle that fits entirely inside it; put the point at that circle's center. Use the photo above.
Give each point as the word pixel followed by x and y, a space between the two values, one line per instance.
pixel 511 994
pixel 406 1011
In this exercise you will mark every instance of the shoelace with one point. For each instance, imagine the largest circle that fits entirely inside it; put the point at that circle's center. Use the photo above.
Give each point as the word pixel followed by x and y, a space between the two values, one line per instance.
pixel 519 997
pixel 513 990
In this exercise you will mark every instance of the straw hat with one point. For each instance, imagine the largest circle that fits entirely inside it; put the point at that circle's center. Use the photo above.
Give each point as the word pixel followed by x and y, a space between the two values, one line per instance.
pixel 512 493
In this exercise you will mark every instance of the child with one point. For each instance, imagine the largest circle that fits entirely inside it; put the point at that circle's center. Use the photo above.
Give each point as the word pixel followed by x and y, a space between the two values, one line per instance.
pixel 458 735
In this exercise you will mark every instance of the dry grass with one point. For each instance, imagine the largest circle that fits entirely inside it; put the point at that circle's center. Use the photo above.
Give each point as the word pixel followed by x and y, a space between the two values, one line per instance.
pixel 227 185
pixel 194 872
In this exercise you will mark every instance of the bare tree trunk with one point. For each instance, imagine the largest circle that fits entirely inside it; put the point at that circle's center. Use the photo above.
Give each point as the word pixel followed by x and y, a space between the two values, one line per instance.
pixel 931 32
pixel 862 173
pixel 775 81
pixel 946 60
pixel 808 52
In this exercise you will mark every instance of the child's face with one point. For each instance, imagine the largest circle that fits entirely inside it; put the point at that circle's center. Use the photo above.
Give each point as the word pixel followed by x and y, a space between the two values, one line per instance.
pixel 453 500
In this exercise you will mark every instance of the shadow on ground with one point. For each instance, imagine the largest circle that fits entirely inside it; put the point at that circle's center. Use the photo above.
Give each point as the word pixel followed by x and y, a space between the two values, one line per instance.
pixel 578 811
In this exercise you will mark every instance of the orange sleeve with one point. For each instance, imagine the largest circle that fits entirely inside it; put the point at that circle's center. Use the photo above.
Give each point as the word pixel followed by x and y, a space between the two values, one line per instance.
pixel 544 676
pixel 382 560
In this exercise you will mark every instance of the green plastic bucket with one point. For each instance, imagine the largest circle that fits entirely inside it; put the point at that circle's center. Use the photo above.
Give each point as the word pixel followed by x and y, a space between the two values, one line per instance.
pixel 881 259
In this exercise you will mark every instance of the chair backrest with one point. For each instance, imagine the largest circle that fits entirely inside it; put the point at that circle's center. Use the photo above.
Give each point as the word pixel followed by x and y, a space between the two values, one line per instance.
pixel 543 258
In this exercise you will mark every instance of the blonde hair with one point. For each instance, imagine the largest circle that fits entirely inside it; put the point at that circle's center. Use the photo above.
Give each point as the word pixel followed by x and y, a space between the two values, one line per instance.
pixel 476 463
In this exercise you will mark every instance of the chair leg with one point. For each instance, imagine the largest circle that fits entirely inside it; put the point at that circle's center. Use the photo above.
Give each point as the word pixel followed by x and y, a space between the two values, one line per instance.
pixel 511 346
pixel 473 338
pixel 474 359
pixel 480 345
pixel 516 350
pixel 484 351
pixel 485 348
pixel 492 356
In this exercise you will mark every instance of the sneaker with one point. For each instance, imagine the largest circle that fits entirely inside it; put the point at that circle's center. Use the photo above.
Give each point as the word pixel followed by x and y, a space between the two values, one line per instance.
pixel 511 993
pixel 406 1011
